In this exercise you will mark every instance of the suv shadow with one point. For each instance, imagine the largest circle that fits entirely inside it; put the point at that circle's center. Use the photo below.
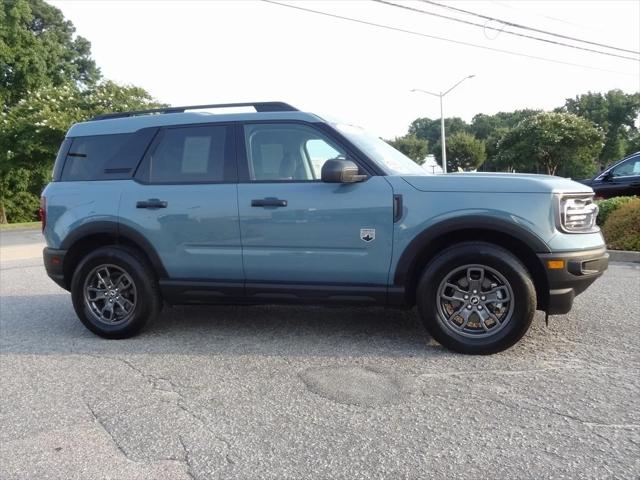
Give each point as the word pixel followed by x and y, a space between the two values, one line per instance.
pixel 46 324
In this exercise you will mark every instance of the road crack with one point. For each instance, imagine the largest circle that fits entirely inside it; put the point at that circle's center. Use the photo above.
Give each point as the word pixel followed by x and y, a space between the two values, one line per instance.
pixel 187 458
pixel 156 383
pixel 99 421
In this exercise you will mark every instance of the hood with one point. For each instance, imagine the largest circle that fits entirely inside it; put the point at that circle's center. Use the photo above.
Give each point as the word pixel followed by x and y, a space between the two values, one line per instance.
pixel 495 183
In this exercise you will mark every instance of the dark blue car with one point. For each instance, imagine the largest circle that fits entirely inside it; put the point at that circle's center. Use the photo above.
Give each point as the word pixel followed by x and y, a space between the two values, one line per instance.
pixel 621 179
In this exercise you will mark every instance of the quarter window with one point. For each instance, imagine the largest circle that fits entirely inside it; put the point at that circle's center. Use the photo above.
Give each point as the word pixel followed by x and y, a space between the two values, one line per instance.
pixel 88 158
pixel 281 152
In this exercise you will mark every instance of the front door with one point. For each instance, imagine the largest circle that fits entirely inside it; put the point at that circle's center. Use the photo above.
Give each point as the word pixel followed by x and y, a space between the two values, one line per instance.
pixel 184 202
pixel 298 230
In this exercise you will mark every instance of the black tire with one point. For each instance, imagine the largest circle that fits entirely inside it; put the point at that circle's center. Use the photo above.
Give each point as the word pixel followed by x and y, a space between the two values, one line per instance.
pixel 147 299
pixel 478 262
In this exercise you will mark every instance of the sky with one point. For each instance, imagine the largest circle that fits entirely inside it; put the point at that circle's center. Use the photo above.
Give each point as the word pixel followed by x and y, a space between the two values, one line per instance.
pixel 196 52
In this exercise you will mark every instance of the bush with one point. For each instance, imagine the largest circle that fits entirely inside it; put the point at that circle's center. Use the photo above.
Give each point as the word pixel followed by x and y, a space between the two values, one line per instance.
pixel 622 228
pixel 22 207
pixel 608 206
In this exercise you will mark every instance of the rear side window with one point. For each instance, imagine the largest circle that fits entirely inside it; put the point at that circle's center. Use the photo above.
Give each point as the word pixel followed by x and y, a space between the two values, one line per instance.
pixel 189 155
pixel 105 157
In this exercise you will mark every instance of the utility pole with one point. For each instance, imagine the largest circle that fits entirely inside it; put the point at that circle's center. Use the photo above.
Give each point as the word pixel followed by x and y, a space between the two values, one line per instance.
pixel 442 133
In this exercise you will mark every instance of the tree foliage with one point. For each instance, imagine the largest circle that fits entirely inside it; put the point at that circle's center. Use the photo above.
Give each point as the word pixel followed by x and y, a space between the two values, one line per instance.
pixel 34 128
pixel 413 147
pixel 464 152
pixel 38 49
pixel 615 112
pixel 48 81
pixel 551 143
pixel 483 125
pixel 429 130
pixel 633 145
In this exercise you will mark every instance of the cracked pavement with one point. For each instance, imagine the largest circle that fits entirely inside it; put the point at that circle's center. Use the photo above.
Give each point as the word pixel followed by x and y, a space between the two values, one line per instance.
pixel 309 392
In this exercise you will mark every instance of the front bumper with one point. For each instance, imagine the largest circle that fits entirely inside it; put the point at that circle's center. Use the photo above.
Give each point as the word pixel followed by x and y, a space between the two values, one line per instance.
pixel 579 270
pixel 53 264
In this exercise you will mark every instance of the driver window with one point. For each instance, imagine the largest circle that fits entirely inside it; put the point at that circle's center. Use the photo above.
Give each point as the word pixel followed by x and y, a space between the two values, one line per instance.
pixel 319 151
pixel 287 152
pixel 628 168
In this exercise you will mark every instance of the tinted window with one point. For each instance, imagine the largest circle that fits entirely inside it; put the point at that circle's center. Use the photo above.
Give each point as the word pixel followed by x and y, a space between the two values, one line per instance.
pixel 188 154
pixel 287 152
pixel 88 157
pixel 102 157
pixel 60 159
pixel 629 168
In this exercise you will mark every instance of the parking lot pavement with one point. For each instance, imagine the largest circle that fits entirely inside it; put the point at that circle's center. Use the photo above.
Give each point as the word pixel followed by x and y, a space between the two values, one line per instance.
pixel 20 244
pixel 309 392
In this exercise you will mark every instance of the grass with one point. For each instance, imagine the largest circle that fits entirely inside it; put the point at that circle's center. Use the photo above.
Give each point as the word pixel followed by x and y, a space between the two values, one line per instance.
pixel 17 226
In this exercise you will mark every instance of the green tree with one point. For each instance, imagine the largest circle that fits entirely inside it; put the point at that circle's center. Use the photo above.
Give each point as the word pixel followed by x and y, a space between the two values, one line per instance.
pixel 633 146
pixel 491 145
pixel 615 112
pixel 483 126
pixel 464 152
pixel 552 143
pixel 429 130
pixel 413 147
pixel 34 128
pixel 38 49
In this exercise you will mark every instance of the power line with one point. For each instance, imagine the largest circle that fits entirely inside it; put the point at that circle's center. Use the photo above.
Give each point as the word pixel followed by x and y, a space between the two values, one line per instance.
pixel 524 27
pixel 548 17
pixel 459 42
pixel 417 10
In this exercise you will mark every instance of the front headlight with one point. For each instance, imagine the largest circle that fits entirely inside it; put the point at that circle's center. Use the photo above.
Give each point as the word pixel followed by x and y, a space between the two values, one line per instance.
pixel 577 213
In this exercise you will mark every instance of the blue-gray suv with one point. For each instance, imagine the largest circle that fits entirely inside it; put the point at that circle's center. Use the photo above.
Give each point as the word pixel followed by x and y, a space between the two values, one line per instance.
pixel 187 206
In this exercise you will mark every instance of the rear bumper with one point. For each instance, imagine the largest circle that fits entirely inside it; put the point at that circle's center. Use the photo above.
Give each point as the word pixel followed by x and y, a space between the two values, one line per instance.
pixel 580 270
pixel 53 264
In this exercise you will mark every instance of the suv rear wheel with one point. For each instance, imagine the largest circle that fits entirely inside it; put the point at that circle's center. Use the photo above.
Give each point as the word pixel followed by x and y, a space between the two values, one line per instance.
pixel 115 292
pixel 477 298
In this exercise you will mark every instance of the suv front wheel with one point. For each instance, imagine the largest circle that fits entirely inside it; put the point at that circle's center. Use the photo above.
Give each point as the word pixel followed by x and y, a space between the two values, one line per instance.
pixel 115 292
pixel 477 298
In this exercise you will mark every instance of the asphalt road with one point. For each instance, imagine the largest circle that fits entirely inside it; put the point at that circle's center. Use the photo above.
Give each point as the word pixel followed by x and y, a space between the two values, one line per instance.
pixel 306 392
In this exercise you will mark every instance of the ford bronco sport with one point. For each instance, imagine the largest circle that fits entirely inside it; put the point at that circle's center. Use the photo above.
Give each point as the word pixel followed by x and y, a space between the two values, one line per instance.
pixel 184 206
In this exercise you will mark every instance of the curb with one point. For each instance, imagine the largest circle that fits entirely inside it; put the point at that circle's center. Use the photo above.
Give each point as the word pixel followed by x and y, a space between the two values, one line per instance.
pixel 623 256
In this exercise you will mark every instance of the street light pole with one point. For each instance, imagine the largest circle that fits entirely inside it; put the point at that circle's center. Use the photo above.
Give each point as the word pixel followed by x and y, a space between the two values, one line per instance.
pixel 442 140
pixel 442 133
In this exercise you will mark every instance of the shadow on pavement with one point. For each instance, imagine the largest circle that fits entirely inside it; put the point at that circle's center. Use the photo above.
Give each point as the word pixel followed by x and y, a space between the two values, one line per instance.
pixel 47 324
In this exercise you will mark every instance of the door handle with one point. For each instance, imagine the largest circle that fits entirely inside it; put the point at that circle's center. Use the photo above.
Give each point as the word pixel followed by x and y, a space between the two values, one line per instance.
pixel 268 202
pixel 151 203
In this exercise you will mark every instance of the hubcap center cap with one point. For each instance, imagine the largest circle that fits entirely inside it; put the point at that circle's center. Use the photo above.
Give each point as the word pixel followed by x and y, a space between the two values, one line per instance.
pixel 474 301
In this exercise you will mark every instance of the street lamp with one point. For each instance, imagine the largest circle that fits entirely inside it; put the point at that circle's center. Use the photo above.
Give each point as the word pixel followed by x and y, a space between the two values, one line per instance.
pixel 442 141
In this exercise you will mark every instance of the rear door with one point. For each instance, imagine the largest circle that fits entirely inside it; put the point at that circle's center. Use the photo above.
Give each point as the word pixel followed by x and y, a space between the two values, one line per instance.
pixel 184 202
pixel 298 230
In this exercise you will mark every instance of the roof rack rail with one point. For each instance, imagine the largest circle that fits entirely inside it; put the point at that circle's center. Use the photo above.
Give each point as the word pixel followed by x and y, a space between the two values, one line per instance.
pixel 259 106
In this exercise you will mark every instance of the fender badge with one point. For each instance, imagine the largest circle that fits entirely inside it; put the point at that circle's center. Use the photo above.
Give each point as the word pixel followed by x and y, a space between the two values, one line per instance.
pixel 367 234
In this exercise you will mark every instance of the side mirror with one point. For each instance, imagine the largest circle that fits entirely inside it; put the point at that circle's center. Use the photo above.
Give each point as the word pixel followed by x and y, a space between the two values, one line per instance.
pixel 607 176
pixel 338 170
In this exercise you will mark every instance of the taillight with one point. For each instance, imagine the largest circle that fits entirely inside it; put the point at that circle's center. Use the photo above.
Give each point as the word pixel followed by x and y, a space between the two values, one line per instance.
pixel 43 211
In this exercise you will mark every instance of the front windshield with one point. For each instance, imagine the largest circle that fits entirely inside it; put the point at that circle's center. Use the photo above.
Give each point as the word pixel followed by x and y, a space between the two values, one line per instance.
pixel 387 157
